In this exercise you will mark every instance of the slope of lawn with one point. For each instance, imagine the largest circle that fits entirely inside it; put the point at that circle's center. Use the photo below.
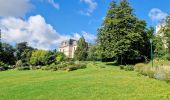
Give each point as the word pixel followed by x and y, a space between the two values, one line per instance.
pixel 92 83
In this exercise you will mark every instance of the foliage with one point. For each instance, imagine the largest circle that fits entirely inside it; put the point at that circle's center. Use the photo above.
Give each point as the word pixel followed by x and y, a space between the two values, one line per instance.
pixel 81 51
pixel 3 66
pixel 7 54
pixel 139 67
pixel 127 67
pixel 35 67
pixel 25 57
pixel 68 66
pixel 93 53
pixel 75 67
pixel 19 63
pixel 38 57
pixel 23 68
pixel 122 35
pixel 22 49
pixel 121 67
pixel 165 34
pixel 60 57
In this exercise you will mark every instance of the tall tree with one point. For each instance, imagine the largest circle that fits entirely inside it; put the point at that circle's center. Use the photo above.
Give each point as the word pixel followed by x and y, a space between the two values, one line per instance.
pixel 7 54
pixel 165 33
pixel 0 47
pixel 122 35
pixel 93 54
pixel 81 51
pixel 21 51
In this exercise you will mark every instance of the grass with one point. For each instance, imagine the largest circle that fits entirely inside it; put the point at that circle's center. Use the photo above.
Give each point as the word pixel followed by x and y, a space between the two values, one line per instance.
pixel 92 83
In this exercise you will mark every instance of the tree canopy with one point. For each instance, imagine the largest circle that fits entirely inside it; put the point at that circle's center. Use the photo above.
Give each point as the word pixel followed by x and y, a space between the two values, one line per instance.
pixel 122 36
pixel 81 51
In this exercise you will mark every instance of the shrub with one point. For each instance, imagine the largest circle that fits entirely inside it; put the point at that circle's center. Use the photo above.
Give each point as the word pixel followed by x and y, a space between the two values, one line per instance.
pixel 166 56
pixel 69 66
pixel 24 68
pixel 61 66
pixel 75 67
pixel 121 67
pixel 46 68
pixel 3 66
pixel 129 68
pixel 55 67
pixel 35 67
pixel 150 72
pixel 82 66
pixel 139 67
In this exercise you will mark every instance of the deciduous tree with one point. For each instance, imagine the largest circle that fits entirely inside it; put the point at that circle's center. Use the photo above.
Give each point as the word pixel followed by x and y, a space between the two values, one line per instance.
pixel 81 51
pixel 123 36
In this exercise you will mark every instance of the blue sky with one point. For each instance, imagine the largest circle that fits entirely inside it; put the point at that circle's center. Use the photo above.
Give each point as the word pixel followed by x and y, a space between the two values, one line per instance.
pixel 67 19
pixel 63 19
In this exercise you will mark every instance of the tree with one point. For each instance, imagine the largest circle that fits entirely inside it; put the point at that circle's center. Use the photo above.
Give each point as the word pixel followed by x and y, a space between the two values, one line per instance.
pixel 25 57
pixel 21 48
pixel 165 33
pixel 81 51
pixel 0 47
pixel 38 57
pixel 122 35
pixel 93 54
pixel 7 55
pixel 59 57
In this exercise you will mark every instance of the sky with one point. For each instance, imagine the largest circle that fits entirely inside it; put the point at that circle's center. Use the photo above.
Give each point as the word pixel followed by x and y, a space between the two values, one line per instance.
pixel 45 23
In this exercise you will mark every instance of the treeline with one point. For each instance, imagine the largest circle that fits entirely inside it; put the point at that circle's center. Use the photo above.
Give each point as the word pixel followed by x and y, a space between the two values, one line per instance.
pixel 24 55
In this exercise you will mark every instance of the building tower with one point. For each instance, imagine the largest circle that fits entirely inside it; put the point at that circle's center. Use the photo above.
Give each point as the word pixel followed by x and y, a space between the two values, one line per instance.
pixel 68 47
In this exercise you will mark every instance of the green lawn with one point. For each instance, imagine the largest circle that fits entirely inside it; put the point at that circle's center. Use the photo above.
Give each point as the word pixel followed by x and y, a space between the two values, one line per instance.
pixel 91 83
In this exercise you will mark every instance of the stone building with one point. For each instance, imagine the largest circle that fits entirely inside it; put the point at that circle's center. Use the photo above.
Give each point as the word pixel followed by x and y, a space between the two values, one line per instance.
pixel 68 47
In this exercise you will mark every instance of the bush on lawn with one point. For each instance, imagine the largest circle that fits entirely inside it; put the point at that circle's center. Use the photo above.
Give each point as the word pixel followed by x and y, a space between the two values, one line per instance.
pixel 46 68
pixel 121 67
pixel 23 68
pixel 35 67
pixel 127 67
pixel 75 67
pixel 139 67
pixel 69 66
pixel 3 66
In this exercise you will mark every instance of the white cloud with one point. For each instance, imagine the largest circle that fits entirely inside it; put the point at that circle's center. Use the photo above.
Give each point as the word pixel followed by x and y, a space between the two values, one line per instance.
pixel 36 32
pixel 88 36
pixel 91 7
pixel 16 8
pixel 157 15
pixel 54 4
